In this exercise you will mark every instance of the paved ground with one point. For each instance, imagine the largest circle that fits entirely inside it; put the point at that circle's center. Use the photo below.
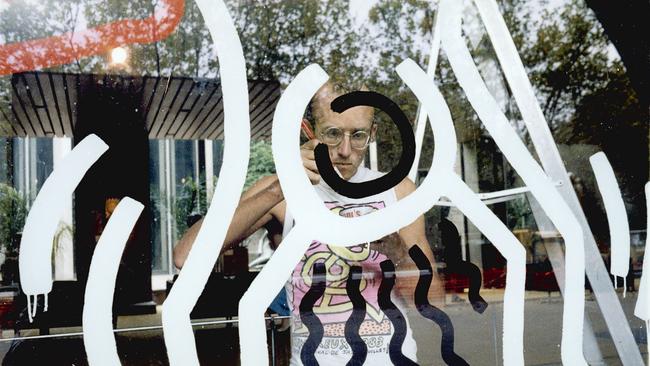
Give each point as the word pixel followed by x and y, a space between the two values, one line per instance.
pixel 479 341
pixel 478 337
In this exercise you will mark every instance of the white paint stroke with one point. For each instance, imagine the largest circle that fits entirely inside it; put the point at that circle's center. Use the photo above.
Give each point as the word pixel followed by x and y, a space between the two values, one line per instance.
pixel 469 203
pixel 642 307
pixel 532 174
pixel 252 330
pixel 260 294
pixel 309 211
pixel 483 218
pixel 179 337
pixel 304 203
pixel 35 259
pixel 97 318
pixel 550 159
pixel 420 125
pixel 619 228
pixel 511 249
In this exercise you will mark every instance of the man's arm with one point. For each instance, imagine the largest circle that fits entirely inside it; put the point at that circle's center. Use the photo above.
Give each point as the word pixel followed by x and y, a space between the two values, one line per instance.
pixel 414 233
pixel 257 206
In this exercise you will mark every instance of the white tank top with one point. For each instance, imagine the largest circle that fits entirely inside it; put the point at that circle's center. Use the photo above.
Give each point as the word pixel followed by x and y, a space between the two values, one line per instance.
pixel 334 307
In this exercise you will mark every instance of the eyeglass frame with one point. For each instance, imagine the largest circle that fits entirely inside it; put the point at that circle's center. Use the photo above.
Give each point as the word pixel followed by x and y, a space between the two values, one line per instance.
pixel 371 136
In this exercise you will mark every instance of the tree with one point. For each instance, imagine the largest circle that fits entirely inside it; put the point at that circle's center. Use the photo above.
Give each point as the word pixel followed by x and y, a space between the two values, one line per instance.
pixel 260 163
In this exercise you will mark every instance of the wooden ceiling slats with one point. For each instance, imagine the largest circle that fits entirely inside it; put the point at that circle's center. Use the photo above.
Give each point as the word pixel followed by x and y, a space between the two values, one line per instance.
pixel 18 105
pixel 190 123
pixel 58 88
pixel 176 106
pixel 44 104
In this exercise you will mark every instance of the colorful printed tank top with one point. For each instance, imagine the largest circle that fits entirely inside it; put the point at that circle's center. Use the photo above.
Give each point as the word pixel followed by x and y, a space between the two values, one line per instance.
pixel 334 308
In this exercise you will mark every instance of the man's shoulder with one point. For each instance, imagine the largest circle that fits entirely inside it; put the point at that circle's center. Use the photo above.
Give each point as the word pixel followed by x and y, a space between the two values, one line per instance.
pixel 370 174
pixel 404 188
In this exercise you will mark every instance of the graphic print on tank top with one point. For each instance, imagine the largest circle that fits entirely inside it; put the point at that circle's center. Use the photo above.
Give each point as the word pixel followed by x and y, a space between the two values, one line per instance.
pixel 334 308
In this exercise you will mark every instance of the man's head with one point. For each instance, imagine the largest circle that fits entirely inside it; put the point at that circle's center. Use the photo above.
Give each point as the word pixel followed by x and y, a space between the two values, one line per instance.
pixel 354 128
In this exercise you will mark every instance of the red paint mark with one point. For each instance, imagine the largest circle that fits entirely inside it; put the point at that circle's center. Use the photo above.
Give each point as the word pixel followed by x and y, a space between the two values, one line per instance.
pixel 66 48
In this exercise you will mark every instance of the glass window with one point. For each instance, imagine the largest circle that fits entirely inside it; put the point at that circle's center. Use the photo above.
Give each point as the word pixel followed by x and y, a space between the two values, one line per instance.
pixel 5 167
pixel 158 206
pixel 145 77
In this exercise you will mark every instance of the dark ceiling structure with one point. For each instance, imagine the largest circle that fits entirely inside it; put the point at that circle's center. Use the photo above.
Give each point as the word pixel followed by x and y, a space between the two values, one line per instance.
pixel 45 104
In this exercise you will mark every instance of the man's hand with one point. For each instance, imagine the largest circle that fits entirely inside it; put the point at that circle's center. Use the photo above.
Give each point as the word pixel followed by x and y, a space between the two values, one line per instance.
pixel 309 161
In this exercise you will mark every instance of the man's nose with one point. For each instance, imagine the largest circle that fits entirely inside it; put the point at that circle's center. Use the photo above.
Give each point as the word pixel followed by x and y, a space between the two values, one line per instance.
pixel 344 149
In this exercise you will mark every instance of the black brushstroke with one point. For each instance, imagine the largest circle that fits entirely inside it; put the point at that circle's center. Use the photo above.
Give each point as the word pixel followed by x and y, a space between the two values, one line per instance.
pixel 392 312
pixel 307 316
pixel 471 270
pixel 353 324
pixel 451 242
pixel 386 182
pixel 431 312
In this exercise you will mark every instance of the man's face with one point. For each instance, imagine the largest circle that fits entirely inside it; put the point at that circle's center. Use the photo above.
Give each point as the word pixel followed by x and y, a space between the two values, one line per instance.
pixel 344 157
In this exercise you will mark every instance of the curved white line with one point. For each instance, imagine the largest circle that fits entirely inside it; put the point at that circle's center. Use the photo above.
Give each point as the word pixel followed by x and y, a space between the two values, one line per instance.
pixel 642 307
pixel 549 156
pixel 303 202
pixel 260 294
pixel 179 338
pixel 532 174
pixel 619 229
pixel 470 204
pixel 420 125
pixel 97 318
pixel 502 238
pixel 35 259
pixel 309 211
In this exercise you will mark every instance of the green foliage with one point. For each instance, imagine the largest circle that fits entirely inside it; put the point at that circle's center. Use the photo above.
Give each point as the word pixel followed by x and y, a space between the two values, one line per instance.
pixel 583 90
pixel 190 200
pixel 13 211
pixel 280 38
pixel 568 60
pixel 260 163
pixel 519 214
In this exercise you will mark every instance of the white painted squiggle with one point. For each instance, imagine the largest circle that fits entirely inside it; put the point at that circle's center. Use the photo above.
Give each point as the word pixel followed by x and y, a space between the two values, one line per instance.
pixel 420 125
pixel 35 260
pixel 306 207
pixel 511 249
pixel 619 229
pixel 642 306
pixel 532 174
pixel 550 159
pixel 470 204
pixel 97 318
pixel 179 338
pixel 301 198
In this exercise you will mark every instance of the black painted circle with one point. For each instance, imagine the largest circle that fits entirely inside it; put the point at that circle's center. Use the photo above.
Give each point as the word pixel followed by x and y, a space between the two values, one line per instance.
pixel 386 182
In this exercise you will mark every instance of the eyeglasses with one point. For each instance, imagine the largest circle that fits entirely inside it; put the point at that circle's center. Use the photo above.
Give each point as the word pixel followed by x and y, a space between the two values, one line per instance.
pixel 333 136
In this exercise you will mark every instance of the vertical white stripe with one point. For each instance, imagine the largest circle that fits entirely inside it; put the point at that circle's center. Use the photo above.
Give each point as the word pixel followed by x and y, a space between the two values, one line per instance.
pixel 64 255
pixel 421 119
pixel 179 337
pixel 532 174
pixel 35 260
pixel 642 307
pixel 372 150
pixel 97 318
pixel 511 249
pixel 619 229
pixel 209 169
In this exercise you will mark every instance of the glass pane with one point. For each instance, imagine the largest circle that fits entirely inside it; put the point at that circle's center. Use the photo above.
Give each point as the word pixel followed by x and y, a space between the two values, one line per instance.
pixel 145 77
